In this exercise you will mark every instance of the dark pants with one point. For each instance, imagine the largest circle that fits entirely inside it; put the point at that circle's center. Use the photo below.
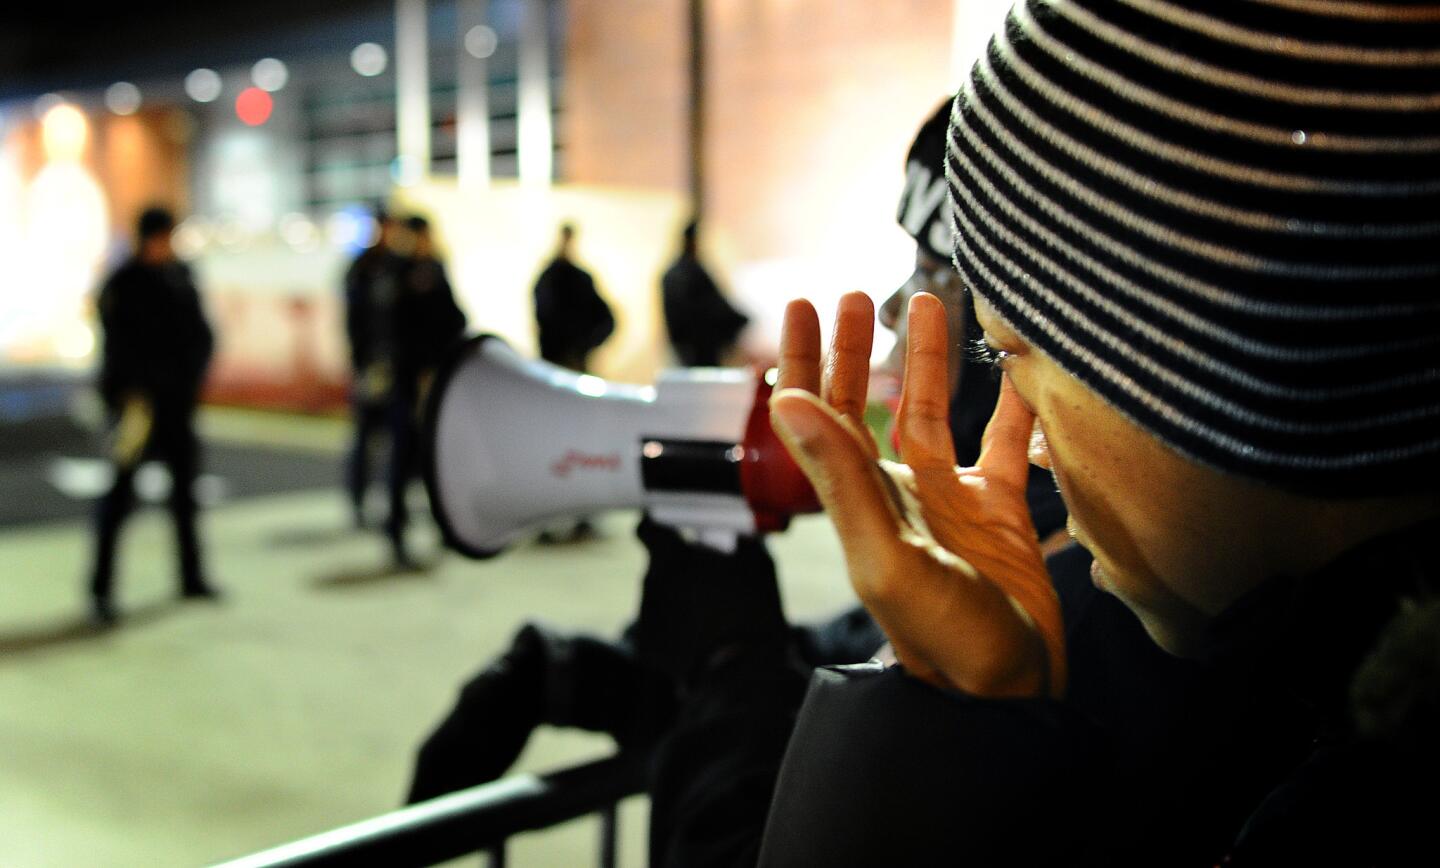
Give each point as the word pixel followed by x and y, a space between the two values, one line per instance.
pixel 370 419
pixel 173 442
pixel 400 419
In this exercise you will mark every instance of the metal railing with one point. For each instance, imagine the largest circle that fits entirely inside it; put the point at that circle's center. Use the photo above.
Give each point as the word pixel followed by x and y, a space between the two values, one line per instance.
pixel 476 820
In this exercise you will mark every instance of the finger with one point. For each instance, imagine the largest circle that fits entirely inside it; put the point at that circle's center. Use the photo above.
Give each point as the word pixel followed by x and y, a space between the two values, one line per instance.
pixel 1005 447
pixel 847 372
pixel 845 478
pixel 799 348
pixel 924 416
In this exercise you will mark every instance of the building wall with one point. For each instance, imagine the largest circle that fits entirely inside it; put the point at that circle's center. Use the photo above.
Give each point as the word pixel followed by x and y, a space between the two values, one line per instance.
pixel 626 94
pixel 810 106
pixel 143 162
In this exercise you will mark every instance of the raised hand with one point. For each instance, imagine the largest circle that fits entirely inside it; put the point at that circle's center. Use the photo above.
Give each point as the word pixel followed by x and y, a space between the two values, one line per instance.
pixel 944 557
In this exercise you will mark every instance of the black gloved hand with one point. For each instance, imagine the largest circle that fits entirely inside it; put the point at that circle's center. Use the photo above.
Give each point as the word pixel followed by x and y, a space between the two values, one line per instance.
pixel 701 606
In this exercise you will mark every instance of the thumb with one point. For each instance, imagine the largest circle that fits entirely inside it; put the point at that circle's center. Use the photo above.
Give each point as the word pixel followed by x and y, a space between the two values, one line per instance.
pixel 1005 446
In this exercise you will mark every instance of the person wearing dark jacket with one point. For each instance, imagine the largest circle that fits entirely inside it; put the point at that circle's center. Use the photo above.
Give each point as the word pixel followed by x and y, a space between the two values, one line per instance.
pixel 571 318
pixel 371 290
pixel 425 322
pixel 157 346
pixel 702 324
pixel 1184 224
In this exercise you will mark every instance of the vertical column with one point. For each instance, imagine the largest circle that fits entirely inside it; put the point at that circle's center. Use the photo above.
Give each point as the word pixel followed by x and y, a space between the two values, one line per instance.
pixel 697 105
pixel 412 90
pixel 536 136
pixel 472 99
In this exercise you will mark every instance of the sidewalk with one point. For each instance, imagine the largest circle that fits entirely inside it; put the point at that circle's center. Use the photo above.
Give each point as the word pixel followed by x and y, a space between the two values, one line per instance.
pixel 199 732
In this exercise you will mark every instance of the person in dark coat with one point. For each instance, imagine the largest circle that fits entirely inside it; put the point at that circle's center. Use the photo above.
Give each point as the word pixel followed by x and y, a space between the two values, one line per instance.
pixel 1180 243
pixel 425 322
pixel 571 318
pixel 157 346
pixel 371 289
pixel 702 324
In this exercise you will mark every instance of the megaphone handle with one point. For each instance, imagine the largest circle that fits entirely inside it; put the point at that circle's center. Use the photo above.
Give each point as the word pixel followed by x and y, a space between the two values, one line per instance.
pixel 772 483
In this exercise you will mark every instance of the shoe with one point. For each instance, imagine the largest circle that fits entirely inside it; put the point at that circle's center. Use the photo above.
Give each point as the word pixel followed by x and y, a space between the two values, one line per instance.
pixel 201 591
pixel 102 612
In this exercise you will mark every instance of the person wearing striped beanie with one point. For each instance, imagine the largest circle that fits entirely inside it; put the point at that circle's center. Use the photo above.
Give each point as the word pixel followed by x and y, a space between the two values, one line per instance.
pixel 925 215
pixel 1204 244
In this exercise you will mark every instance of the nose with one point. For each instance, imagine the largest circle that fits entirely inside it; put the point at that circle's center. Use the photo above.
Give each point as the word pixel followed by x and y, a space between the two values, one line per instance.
pixel 890 310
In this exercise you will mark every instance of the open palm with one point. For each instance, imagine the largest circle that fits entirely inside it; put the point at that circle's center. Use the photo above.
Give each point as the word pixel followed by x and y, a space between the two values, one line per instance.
pixel 944 557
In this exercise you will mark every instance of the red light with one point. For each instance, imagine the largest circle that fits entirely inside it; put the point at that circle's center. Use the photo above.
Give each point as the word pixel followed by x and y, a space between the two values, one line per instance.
pixel 253 106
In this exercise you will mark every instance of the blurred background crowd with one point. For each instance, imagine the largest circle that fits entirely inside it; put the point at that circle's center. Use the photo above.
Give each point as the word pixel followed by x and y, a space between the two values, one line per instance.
pixel 493 138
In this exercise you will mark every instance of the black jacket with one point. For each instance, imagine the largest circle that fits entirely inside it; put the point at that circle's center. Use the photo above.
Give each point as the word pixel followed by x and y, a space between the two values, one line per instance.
pixel 157 342
pixel 427 321
pixel 701 323
pixel 571 316
pixel 1256 762
pixel 1249 755
pixel 372 290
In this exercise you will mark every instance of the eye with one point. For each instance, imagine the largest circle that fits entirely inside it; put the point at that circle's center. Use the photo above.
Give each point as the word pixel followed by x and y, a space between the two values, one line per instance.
pixel 986 353
pixel 988 357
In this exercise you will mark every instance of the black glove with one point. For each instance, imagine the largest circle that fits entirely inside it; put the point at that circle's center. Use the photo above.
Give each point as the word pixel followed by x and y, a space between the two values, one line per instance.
pixel 701 607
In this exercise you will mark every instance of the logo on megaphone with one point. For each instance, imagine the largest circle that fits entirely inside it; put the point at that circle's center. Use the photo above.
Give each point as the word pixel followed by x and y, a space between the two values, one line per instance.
pixel 514 443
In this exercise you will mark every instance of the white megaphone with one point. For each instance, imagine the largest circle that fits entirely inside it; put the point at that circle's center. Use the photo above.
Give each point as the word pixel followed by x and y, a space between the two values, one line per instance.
pixel 515 443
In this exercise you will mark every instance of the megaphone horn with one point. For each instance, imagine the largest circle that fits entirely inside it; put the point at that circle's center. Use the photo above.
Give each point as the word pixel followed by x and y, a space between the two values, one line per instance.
pixel 514 443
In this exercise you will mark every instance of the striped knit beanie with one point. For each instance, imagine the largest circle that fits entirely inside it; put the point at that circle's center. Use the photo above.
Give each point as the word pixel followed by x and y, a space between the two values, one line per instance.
pixel 1224 218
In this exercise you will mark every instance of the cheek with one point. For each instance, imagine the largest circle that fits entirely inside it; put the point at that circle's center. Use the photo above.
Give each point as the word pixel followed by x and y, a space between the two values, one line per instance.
pixel 1090 467
pixel 1123 507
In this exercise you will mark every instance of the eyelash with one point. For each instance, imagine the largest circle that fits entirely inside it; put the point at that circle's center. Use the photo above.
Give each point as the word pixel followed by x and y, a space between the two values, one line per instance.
pixel 991 357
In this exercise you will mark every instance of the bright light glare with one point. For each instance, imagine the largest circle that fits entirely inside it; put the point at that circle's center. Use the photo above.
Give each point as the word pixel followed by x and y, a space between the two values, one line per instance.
pixel 588 384
pixel 345 230
pixel 481 41
pixel 299 232
pixel 368 59
pixel 122 98
pixel 63 131
pixel 253 106
pixel 203 85
pixel 190 238
pixel 404 171
pixel 76 342
pixel 269 74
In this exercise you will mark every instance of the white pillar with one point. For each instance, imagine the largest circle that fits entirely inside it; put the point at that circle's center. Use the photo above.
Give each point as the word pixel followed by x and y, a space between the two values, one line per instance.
pixel 472 102
pixel 412 90
pixel 536 139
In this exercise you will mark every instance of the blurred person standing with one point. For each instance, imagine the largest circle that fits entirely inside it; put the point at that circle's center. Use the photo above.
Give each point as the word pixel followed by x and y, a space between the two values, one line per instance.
pixel 426 321
pixel 571 317
pixel 157 346
pixel 371 288
pixel 702 324
pixel 571 320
